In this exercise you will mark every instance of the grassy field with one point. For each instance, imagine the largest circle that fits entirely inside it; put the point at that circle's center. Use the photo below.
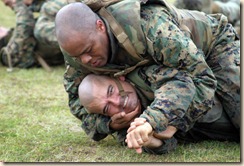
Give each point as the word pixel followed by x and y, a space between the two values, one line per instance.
pixel 7 18
pixel 36 125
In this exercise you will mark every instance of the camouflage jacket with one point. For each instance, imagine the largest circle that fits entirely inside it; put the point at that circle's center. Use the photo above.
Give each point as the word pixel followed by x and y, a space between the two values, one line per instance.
pixel 36 5
pixel 230 8
pixel 175 39
pixel 44 31
pixel 45 27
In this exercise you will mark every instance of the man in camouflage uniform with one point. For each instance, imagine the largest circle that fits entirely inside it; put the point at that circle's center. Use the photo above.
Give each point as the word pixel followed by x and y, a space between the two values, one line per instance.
pixel 24 49
pixel 107 95
pixel 204 48
pixel 44 30
pixel 230 8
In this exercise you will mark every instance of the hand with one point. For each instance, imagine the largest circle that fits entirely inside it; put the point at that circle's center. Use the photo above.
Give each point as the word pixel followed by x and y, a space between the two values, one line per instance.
pixel 122 120
pixel 139 136
pixel 3 32
pixel 135 123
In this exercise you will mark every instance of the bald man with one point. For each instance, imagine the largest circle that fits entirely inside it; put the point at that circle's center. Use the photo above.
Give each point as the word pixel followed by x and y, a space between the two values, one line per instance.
pixel 200 47
pixel 107 96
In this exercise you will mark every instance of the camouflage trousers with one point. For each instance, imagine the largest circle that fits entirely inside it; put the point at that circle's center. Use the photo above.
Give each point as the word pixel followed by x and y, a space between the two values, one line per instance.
pixel 23 48
pixel 224 60
pixel 20 48
pixel 230 8
pixel 221 130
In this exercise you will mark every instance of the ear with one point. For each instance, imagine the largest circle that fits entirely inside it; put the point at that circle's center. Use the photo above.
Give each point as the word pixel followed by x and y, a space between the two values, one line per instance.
pixel 122 78
pixel 100 25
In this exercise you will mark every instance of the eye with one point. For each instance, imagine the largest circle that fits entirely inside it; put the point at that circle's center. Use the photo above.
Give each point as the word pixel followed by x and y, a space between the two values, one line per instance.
pixel 89 50
pixel 110 90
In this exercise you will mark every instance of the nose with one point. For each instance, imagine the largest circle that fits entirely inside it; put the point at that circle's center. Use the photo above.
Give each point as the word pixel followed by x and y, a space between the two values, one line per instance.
pixel 115 100
pixel 85 58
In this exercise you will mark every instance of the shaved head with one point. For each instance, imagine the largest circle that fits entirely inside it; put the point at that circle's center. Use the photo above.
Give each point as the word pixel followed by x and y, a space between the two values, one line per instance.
pixel 72 19
pixel 102 94
pixel 82 34
pixel 86 89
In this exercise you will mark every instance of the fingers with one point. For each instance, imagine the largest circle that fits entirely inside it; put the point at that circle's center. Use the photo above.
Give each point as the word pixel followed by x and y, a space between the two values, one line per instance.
pixel 138 121
pixel 139 150
pixel 134 140
pixel 137 137
pixel 135 123
pixel 118 117
pixel 122 120
pixel 135 113
pixel 123 117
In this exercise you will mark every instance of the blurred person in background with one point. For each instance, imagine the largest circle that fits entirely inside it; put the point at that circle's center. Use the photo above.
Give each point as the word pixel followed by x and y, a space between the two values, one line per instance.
pixel 230 8
pixel 32 42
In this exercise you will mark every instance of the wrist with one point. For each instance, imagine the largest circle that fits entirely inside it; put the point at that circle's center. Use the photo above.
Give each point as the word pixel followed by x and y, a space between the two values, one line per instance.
pixel 153 143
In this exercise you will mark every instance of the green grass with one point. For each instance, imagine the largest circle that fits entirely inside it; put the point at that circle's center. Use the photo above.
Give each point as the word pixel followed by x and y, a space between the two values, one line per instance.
pixel 7 18
pixel 36 125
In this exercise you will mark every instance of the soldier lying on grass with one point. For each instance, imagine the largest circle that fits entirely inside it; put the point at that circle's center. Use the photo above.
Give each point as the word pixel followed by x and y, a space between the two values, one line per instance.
pixel 203 48
pixel 108 96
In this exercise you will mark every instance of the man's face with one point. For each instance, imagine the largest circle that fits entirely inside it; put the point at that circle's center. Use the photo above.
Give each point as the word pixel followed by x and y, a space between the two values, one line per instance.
pixel 108 100
pixel 90 48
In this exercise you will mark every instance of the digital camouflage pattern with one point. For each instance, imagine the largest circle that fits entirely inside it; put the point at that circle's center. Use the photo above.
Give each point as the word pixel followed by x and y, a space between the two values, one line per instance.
pixel 204 47
pixel 44 31
pixel 230 8
pixel 24 44
pixel 198 48
pixel 45 26
pixel 204 6
pixel 214 125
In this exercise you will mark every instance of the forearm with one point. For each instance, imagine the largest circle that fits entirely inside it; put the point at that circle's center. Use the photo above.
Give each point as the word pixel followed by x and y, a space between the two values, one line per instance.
pixel 154 143
pixel 176 50
pixel 172 98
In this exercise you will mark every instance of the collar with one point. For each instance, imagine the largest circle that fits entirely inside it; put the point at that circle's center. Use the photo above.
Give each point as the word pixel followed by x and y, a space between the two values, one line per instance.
pixel 113 42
